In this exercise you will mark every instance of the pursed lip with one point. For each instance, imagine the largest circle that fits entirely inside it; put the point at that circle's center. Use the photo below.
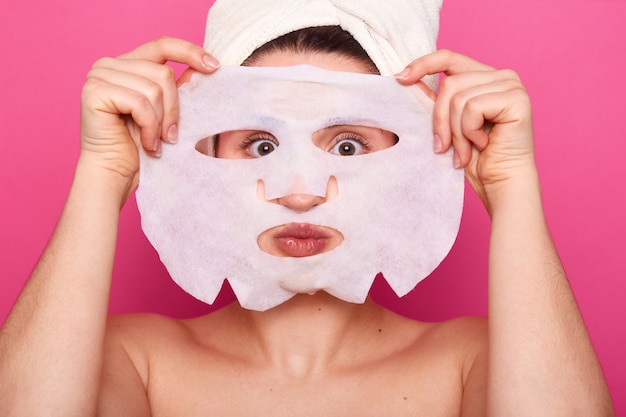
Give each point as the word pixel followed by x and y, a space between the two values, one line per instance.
pixel 299 240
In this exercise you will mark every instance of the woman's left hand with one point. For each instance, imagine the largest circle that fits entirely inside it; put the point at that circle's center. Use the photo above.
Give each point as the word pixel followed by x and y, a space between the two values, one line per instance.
pixel 485 114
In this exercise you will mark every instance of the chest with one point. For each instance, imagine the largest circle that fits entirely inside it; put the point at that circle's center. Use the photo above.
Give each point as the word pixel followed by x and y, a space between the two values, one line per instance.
pixel 231 388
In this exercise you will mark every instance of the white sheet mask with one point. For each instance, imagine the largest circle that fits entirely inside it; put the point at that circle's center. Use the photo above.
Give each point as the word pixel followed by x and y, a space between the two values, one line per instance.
pixel 398 209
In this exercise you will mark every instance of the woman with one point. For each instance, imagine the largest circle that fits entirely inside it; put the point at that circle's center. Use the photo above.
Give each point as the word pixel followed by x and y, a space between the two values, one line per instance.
pixel 312 354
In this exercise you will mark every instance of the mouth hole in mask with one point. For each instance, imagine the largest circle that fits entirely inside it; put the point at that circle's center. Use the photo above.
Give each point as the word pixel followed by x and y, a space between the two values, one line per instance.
pixel 340 140
pixel 299 240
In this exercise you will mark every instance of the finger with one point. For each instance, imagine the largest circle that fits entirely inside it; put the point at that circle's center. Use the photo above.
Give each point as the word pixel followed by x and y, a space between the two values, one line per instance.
pixel 155 81
pixel 145 87
pixel 426 90
pixel 456 90
pixel 114 100
pixel 441 61
pixel 474 116
pixel 166 49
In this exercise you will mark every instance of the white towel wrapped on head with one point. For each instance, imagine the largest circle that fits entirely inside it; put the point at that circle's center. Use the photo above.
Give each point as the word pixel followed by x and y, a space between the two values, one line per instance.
pixel 393 33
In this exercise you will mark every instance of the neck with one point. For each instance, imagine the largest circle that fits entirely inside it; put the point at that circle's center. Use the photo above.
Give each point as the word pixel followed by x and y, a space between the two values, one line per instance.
pixel 309 333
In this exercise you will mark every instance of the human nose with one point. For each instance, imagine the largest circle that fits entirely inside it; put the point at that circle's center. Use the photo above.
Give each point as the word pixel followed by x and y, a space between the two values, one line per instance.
pixel 301 202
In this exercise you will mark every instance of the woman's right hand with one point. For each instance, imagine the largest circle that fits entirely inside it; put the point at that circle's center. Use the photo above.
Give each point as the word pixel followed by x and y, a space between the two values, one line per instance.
pixel 132 101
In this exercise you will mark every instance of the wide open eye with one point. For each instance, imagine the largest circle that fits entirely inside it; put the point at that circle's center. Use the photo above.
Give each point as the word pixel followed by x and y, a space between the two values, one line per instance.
pixel 348 144
pixel 238 144
pixel 347 148
pixel 262 148
pixel 353 140
pixel 259 144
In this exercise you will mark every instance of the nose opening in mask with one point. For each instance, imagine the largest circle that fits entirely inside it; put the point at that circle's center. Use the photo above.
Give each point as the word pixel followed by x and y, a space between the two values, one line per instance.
pixel 299 193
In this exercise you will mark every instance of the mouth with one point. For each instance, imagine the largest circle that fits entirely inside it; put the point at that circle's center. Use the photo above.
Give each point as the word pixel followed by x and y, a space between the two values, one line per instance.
pixel 298 240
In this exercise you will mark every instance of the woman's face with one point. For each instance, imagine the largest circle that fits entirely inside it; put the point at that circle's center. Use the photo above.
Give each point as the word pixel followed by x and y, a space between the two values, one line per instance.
pixel 300 240
pixel 300 208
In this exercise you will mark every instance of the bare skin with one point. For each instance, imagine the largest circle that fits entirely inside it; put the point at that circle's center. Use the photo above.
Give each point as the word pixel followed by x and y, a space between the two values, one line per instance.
pixel 298 358
pixel 313 355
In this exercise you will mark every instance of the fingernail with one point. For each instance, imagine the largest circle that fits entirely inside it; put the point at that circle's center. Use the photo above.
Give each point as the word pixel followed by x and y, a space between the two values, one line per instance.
pixel 456 160
pixel 158 151
pixel 403 74
pixel 437 143
pixel 210 62
pixel 155 144
pixel 172 133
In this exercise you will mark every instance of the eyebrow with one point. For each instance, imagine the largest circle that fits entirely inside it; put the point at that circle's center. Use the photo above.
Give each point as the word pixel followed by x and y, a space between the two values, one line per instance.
pixel 357 123
pixel 369 126
pixel 333 123
pixel 335 126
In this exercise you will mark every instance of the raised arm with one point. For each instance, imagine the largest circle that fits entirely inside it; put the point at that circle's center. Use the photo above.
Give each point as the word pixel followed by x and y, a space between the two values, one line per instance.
pixel 540 360
pixel 51 345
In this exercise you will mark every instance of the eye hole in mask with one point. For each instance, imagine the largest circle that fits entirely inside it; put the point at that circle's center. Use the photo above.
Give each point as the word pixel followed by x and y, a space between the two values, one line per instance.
pixel 340 140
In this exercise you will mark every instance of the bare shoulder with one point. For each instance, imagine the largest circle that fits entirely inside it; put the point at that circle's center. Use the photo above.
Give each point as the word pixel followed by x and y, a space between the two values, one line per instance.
pixel 133 332
pixel 463 336
pixel 443 362
pixel 471 327
pixel 128 347
pixel 129 327
pixel 461 343
pixel 467 337
pixel 141 338
pixel 464 333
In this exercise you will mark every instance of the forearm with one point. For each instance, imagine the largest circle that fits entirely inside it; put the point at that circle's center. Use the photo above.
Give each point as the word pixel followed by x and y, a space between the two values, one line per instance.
pixel 541 359
pixel 51 343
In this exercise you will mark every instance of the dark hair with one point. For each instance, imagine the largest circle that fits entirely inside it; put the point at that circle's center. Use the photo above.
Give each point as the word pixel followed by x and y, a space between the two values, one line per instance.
pixel 325 39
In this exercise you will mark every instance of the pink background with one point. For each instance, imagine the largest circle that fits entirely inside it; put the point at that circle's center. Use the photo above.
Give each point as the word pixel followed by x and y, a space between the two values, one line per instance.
pixel 570 53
